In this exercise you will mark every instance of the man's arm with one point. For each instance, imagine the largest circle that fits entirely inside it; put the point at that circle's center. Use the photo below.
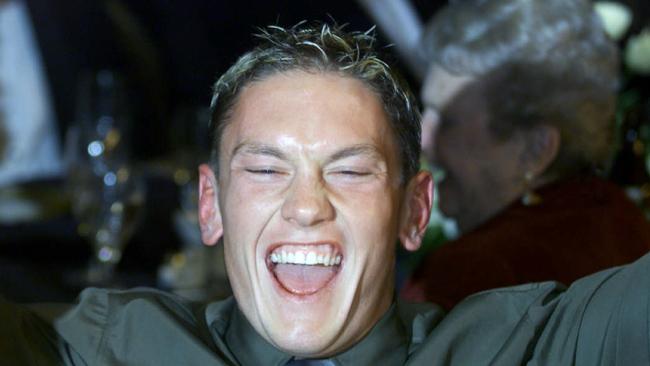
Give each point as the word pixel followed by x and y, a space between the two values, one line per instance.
pixel 602 319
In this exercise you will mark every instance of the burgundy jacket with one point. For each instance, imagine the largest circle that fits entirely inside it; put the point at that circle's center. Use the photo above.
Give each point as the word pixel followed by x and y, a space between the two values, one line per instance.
pixel 581 226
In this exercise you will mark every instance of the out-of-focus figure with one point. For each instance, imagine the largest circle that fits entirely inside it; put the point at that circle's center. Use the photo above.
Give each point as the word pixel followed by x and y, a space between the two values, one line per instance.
pixel 27 118
pixel 398 19
pixel 519 113
pixel 45 48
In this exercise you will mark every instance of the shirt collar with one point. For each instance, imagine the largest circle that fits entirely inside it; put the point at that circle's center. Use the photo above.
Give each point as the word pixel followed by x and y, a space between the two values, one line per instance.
pixel 386 344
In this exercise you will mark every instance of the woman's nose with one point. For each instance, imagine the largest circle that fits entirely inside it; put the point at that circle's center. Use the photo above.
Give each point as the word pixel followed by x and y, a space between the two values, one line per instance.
pixel 430 122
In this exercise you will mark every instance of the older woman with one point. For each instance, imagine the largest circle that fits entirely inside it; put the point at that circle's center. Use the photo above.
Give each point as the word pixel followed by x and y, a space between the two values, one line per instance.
pixel 519 103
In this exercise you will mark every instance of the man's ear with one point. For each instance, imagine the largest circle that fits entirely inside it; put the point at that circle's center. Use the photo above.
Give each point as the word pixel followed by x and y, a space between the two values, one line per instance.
pixel 543 145
pixel 210 219
pixel 416 210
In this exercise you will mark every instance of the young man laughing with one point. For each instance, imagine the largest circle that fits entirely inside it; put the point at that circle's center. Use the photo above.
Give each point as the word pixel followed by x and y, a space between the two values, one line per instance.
pixel 314 179
pixel 310 187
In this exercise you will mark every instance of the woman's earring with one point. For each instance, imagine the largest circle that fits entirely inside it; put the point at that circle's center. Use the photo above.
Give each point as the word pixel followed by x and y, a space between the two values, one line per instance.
pixel 530 198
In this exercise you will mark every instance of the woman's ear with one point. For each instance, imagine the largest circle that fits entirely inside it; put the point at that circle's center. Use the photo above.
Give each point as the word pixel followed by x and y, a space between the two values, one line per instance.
pixel 543 146
pixel 210 219
pixel 416 211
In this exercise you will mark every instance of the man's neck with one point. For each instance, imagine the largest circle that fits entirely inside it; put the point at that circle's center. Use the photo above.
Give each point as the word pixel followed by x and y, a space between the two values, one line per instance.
pixel 387 343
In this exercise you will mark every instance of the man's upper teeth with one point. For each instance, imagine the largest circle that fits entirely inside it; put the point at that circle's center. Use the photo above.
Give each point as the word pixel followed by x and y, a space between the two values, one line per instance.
pixel 304 257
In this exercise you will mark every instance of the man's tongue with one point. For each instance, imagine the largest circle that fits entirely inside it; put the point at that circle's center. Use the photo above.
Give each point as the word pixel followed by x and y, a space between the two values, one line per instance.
pixel 302 279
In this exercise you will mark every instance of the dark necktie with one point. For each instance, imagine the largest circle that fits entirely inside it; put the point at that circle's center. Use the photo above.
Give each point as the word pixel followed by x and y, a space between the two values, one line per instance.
pixel 306 362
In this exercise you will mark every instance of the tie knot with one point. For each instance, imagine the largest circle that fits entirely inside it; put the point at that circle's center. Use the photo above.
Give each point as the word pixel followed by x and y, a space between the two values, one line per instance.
pixel 311 362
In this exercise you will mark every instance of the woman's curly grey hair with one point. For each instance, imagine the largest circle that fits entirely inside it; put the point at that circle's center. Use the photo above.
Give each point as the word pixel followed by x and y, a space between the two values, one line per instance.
pixel 322 48
pixel 474 37
pixel 549 61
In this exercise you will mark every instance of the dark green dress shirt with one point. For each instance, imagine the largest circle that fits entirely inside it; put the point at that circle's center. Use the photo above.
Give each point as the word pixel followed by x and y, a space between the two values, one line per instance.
pixel 600 320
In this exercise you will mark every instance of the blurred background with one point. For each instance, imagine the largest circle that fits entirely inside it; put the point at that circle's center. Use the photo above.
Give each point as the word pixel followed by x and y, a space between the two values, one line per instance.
pixel 103 119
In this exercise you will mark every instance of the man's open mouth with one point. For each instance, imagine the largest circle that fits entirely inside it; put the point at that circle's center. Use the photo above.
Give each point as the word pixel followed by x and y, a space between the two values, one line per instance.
pixel 304 269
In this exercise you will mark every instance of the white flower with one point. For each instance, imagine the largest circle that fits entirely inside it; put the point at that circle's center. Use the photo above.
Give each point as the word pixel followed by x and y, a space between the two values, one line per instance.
pixel 616 18
pixel 637 52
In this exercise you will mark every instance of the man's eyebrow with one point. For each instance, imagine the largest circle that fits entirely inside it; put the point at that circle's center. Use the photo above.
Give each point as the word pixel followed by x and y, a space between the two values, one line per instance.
pixel 362 149
pixel 258 149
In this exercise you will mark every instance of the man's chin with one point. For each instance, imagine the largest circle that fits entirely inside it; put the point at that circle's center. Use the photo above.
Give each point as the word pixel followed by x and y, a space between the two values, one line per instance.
pixel 306 325
pixel 304 309
pixel 307 342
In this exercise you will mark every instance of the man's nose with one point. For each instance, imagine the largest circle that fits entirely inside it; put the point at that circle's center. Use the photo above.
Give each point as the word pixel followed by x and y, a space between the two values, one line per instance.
pixel 307 202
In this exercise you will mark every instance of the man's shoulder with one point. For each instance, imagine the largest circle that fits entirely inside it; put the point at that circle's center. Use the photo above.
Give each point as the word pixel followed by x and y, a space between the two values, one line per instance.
pixel 98 325
pixel 127 299
pixel 548 323
pixel 112 301
pixel 103 305
pixel 493 327
pixel 107 305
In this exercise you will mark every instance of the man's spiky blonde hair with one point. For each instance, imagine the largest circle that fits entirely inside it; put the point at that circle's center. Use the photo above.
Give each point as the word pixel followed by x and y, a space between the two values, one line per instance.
pixel 322 48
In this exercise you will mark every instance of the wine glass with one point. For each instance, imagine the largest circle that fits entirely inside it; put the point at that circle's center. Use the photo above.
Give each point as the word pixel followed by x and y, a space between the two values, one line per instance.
pixel 108 209
pixel 106 192
pixel 195 271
